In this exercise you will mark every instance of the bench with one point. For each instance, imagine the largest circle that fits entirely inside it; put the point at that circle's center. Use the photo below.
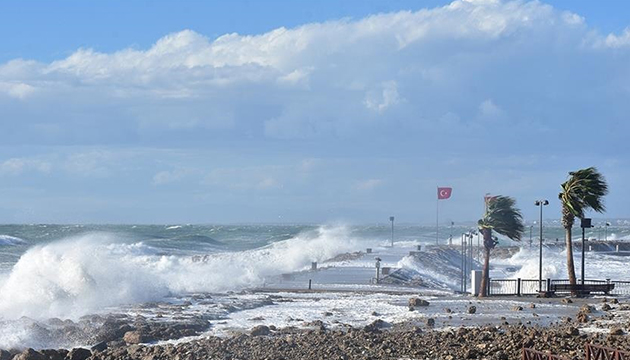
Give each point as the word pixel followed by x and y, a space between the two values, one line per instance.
pixel 582 288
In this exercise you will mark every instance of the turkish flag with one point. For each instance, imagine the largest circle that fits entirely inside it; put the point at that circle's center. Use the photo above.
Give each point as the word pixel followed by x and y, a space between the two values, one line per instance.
pixel 444 193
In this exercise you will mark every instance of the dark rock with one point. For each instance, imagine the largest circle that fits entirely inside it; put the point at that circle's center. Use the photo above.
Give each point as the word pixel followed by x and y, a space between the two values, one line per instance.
pixel 614 301
pixel 606 307
pixel 5 355
pixel 517 308
pixel 472 309
pixel 260 330
pixel 418 302
pixel 430 322
pixel 29 354
pixel 78 354
pixel 328 313
pixel 571 331
pixel 582 317
pixel 53 354
pixel 566 301
pixel 99 347
pixel 376 325
pixel 448 310
pixel 532 306
pixel 616 331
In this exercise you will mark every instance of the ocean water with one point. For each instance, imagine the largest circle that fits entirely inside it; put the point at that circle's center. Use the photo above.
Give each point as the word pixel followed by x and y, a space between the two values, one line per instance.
pixel 68 271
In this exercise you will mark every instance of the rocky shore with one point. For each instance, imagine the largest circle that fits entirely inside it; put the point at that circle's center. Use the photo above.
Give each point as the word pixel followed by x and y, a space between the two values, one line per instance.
pixel 375 341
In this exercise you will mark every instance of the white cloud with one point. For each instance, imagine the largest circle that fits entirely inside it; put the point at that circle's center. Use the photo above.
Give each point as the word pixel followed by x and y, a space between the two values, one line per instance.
pixel 368 185
pixel 387 96
pixel 488 110
pixel 18 90
pixel 18 166
pixel 246 178
pixel 168 177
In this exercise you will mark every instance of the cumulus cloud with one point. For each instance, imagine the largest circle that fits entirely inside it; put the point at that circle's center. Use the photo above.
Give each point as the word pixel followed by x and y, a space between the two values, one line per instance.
pixel 315 80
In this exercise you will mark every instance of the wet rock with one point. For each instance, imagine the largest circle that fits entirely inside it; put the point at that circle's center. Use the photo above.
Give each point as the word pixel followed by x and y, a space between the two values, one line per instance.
pixel 606 307
pixel 616 331
pixel 587 309
pixel 99 347
pixel 624 307
pixel 430 322
pixel 5 355
pixel 566 301
pixel 260 330
pixel 418 302
pixel 614 301
pixel 517 308
pixel 29 354
pixel 78 354
pixel 328 313
pixel 472 309
pixel 376 325
pixel 374 313
pixel 532 305
pixel 571 331
pixel 448 310
pixel 137 337
pixel 53 354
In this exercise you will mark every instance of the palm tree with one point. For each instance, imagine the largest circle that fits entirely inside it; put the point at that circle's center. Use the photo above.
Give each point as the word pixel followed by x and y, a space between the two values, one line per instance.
pixel 504 218
pixel 584 190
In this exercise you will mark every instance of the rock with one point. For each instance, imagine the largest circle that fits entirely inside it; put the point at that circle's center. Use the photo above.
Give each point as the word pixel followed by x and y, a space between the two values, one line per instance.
pixel 472 309
pixel 375 326
pixel 582 317
pixel 604 300
pixel 5 355
pixel 614 301
pixel 624 307
pixel 586 309
pixel 136 337
pixel 411 308
pixel 566 301
pixel 374 313
pixel 616 331
pixel 532 306
pixel 29 354
pixel 418 302
pixel 573 331
pixel 260 330
pixel 606 307
pixel 99 347
pixel 53 354
pixel 471 354
pixel 78 354
pixel 517 308
pixel 328 313
pixel 448 311
pixel 430 322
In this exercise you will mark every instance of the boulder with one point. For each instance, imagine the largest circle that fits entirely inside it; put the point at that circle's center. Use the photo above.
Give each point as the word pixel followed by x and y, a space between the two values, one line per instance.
pixel 29 354
pixel 418 302
pixel 566 301
pixel 78 354
pixel 53 354
pixel 616 331
pixel 136 337
pixel 430 322
pixel 260 330
pixel 606 307
pixel 5 355
pixel 517 308
pixel 99 347
pixel 472 309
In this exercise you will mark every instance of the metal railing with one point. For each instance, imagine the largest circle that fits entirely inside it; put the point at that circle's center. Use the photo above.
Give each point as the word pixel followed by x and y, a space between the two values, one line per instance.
pixel 518 287
pixel 595 352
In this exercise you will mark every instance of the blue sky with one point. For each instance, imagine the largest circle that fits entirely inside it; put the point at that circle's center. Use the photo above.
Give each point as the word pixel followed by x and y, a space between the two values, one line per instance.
pixel 278 111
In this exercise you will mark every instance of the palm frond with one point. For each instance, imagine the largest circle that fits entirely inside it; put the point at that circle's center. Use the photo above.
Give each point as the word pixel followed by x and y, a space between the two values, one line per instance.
pixel 584 190
pixel 503 217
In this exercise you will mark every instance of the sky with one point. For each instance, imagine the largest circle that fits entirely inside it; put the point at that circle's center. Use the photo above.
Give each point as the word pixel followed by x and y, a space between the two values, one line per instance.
pixel 296 111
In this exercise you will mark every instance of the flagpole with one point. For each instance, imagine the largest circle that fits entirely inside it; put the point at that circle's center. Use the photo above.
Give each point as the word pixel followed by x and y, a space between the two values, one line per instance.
pixel 437 216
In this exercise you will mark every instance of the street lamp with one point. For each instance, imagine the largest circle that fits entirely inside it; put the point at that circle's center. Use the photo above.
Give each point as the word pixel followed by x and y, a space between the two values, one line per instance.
pixel 606 225
pixel 391 218
pixel 531 227
pixel 540 203
pixel 585 223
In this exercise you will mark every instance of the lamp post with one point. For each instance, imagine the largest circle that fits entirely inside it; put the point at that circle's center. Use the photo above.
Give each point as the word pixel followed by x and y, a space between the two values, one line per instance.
pixel 531 227
pixel 606 225
pixel 585 223
pixel 540 203
pixel 391 218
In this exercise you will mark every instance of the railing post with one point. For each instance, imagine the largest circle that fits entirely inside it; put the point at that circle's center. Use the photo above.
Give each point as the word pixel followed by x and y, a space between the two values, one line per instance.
pixel 489 287
pixel 518 287
pixel 548 284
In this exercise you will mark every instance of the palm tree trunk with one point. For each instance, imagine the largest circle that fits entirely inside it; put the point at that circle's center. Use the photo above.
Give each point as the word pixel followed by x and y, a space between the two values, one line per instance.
pixel 570 266
pixel 485 274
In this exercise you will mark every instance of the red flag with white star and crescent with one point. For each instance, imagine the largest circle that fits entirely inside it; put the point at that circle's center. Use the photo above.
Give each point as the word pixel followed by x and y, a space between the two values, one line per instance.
pixel 444 193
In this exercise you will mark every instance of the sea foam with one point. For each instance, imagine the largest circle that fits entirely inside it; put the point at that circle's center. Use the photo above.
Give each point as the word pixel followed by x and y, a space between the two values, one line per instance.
pixel 87 274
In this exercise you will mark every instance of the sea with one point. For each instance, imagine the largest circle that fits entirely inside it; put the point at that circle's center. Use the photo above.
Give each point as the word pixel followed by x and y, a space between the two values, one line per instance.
pixel 52 271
